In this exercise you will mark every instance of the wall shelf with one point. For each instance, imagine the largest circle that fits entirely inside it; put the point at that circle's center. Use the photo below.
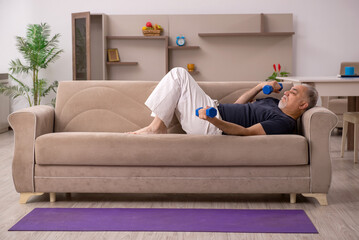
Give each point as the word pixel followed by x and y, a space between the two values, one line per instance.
pixel 182 48
pixel 247 34
pixel 194 72
pixel 165 38
pixel 122 63
pixel 136 38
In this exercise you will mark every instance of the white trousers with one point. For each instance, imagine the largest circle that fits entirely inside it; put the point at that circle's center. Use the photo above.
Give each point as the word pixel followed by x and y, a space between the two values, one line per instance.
pixel 178 93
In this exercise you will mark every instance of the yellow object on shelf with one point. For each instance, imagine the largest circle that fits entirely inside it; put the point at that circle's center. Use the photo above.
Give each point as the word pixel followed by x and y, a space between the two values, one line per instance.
pixel 190 67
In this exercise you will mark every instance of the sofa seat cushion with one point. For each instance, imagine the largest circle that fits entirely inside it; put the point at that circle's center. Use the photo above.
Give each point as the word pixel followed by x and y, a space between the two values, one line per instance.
pixel 119 149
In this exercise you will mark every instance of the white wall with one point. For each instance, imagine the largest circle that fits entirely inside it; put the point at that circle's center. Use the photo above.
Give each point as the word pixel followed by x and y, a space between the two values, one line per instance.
pixel 326 31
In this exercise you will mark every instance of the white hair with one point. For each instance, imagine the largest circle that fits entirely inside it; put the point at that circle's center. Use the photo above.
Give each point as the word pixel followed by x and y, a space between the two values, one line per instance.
pixel 312 96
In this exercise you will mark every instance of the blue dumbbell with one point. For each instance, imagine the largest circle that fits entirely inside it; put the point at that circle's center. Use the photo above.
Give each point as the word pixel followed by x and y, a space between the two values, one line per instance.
pixel 210 112
pixel 267 89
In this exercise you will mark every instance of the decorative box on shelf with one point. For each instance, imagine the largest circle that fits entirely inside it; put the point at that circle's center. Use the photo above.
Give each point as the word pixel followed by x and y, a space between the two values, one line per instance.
pixel 151 32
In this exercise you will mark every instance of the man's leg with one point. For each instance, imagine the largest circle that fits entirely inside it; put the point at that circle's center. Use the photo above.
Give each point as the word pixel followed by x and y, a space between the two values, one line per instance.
pixel 156 127
pixel 162 102
pixel 179 93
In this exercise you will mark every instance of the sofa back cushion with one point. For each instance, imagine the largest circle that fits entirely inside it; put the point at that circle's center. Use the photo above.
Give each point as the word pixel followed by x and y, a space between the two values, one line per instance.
pixel 118 106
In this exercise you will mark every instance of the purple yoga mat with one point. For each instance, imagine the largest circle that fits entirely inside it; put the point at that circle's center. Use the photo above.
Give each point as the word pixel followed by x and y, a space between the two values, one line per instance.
pixel 164 219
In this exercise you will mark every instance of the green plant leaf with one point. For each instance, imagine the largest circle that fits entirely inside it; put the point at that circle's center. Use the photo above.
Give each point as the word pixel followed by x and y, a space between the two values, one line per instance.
pixel 284 74
pixel 272 77
pixel 53 58
pixel 11 91
pixel 53 102
pixel 16 67
pixel 52 87
pixel 23 85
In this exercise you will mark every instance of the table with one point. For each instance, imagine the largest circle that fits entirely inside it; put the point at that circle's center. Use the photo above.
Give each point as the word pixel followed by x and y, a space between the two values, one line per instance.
pixel 334 86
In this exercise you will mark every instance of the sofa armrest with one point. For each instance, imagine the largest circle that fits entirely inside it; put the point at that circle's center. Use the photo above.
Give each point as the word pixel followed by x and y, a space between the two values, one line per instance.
pixel 28 124
pixel 317 125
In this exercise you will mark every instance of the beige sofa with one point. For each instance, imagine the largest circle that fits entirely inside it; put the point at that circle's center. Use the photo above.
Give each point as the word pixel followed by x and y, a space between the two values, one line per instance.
pixel 80 147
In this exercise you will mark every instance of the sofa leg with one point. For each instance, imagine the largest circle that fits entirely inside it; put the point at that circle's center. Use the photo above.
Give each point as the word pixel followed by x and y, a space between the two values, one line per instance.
pixel 321 197
pixel 293 198
pixel 52 197
pixel 24 197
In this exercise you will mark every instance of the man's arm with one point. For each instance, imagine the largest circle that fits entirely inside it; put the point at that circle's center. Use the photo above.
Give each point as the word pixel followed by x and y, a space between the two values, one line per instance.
pixel 251 93
pixel 235 129
pixel 232 128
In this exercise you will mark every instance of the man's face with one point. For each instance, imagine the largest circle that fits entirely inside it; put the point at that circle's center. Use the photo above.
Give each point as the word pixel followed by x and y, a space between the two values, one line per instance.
pixel 295 99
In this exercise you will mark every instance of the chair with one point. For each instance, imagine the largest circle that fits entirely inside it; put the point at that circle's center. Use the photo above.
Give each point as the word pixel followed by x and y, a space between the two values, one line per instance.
pixel 351 117
pixel 338 105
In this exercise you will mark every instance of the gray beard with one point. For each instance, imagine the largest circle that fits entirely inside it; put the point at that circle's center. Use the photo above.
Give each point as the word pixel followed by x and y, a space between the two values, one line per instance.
pixel 282 104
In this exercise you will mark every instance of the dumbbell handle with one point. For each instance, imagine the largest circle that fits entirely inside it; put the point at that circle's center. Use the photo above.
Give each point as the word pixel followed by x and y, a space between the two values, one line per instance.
pixel 210 112
pixel 268 89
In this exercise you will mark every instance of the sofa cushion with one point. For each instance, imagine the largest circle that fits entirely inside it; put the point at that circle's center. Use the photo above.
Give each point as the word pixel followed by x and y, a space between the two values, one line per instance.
pixel 85 148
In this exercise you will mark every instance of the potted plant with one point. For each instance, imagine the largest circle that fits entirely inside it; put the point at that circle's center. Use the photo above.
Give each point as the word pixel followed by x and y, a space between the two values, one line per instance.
pixel 278 73
pixel 38 51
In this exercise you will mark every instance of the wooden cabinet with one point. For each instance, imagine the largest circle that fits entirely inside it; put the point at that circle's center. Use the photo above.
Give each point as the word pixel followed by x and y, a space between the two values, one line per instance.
pixel 88 46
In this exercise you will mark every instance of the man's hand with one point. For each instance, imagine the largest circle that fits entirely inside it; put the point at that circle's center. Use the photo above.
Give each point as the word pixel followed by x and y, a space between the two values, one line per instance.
pixel 274 84
pixel 202 113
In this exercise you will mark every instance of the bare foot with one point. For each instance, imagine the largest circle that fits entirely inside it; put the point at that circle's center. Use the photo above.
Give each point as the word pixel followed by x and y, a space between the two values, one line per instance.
pixel 157 126
pixel 149 130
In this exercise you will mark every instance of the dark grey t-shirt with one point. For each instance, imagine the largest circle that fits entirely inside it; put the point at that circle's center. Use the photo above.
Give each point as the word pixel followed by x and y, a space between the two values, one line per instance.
pixel 264 111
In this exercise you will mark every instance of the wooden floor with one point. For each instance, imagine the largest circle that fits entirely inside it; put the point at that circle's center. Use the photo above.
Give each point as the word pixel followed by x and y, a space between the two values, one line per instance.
pixel 339 220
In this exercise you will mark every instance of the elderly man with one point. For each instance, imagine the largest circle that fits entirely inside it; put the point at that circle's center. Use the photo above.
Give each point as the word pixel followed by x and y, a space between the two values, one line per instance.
pixel 178 93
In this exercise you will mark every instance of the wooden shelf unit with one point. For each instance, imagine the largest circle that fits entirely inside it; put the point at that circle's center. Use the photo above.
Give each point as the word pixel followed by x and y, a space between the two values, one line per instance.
pixel 136 37
pixel 122 63
pixel 261 33
pixel 182 48
pixel 194 72
pixel 248 34
pixel 226 43
pixel 165 38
